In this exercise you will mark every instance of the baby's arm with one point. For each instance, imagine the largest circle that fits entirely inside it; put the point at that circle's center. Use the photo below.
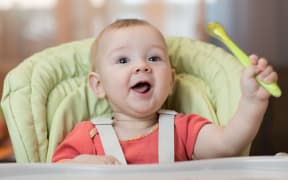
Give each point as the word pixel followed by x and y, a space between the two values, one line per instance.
pixel 79 146
pixel 216 141
pixel 92 159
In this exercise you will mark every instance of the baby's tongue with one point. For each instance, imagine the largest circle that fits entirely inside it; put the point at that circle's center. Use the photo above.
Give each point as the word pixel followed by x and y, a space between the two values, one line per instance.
pixel 141 87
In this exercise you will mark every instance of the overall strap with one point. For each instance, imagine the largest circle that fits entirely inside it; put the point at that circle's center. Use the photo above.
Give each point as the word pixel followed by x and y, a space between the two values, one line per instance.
pixel 112 146
pixel 109 138
pixel 166 136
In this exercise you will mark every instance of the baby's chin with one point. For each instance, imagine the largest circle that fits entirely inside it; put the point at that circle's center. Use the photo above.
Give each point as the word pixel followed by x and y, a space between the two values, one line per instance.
pixel 141 109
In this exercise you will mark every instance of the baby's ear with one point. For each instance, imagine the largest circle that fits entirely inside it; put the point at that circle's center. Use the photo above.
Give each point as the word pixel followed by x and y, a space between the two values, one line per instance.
pixel 173 79
pixel 96 85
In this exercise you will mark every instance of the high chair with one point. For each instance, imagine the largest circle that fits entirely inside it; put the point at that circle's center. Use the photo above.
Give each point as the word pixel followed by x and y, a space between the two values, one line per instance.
pixel 6 151
pixel 47 94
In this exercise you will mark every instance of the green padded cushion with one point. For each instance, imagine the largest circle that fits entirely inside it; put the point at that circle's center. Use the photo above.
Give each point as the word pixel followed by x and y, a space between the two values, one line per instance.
pixel 47 94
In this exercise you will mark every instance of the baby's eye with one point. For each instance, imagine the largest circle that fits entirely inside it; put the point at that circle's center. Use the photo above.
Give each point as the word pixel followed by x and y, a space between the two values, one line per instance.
pixel 154 58
pixel 122 60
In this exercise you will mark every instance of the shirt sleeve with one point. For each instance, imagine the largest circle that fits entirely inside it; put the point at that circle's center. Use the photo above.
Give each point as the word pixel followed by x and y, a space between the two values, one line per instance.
pixel 77 142
pixel 188 127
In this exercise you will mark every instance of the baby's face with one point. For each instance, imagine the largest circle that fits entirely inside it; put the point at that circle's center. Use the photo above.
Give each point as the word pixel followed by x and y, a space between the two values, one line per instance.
pixel 134 70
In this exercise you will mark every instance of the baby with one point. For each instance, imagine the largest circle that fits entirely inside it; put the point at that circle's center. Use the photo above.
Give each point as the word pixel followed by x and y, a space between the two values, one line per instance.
pixel 132 71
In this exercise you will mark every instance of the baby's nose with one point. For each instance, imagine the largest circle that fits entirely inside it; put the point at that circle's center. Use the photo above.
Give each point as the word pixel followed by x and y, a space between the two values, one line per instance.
pixel 144 67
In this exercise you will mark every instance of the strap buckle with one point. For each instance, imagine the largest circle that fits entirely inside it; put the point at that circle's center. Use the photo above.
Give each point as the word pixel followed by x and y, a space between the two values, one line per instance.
pixel 166 111
pixel 102 121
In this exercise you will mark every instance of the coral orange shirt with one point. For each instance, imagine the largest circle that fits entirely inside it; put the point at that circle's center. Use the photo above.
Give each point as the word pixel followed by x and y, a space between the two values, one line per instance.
pixel 141 150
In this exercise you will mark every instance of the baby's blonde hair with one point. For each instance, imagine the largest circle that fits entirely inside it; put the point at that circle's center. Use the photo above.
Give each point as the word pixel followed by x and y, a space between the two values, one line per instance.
pixel 118 24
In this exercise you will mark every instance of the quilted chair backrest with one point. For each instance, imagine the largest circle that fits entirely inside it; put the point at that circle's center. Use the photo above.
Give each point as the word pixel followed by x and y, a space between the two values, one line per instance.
pixel 47 94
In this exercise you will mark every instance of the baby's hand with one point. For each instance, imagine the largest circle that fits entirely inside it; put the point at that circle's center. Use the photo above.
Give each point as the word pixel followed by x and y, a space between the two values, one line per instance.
pixel 260 68
pixel 93 159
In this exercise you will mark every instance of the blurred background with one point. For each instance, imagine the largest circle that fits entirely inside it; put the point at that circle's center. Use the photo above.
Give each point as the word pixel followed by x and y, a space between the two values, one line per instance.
pixel 257 26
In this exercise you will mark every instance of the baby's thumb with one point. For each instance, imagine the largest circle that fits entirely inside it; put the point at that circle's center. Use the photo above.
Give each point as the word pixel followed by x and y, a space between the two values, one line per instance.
pixel 114 160
pixel 253 58
pixel 250 72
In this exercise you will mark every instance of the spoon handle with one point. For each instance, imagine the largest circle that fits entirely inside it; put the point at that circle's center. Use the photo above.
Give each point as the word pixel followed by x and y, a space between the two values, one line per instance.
pixel 217 31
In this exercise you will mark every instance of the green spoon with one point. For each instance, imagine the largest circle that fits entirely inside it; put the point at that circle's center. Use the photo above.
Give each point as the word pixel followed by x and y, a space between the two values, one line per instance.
pixel 217 31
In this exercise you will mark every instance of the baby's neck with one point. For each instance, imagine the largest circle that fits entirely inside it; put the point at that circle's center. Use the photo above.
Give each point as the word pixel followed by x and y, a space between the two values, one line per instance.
pixel 128 127
pixel 123 120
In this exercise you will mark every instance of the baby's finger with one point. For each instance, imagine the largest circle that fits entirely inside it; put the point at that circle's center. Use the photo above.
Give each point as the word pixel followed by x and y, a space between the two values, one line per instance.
pixel 262 64
pixel 272 77
pixel 116 162
pixel 112 160
pixel 250 72
pixel 266 72
pixel 254 59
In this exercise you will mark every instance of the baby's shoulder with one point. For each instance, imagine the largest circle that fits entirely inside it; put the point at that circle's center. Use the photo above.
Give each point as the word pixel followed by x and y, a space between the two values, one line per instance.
pixel 83 125
pixel 189 119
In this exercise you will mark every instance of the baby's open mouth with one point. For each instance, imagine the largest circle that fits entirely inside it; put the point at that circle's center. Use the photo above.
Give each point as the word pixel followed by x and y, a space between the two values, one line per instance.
pixel 142 87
